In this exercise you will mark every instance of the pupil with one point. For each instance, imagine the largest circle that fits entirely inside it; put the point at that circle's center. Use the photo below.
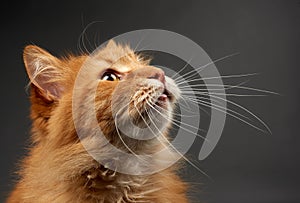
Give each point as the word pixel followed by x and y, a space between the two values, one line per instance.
pixel 110 78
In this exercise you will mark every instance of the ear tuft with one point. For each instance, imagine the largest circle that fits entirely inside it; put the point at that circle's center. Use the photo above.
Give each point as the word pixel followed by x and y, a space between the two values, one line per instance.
pixel 43 71
pixel 111 44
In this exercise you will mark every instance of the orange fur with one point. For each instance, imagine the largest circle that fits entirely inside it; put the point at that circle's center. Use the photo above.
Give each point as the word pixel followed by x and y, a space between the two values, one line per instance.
pixel 58 168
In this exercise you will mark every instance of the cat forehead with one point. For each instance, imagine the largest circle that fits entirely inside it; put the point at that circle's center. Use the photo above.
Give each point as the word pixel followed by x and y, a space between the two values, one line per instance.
pixel 125 64
pixel 120 58
pixel 122 68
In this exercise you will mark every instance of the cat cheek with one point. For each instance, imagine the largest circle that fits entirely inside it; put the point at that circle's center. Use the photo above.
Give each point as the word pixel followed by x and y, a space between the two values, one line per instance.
pixel 173 88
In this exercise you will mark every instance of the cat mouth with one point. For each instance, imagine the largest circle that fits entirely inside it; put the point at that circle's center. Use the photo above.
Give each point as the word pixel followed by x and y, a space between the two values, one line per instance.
pixel 152 103
pixel 165 97
pixel 145 117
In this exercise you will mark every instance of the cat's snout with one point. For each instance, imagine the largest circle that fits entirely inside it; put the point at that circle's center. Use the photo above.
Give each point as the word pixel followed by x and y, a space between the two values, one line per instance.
pixel 148 72
pixel 159 75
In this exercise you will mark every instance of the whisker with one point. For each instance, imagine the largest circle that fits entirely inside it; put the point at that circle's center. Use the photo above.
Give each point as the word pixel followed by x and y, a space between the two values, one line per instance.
pixel 202 109
pixel 212 90
pixel 245 109
pixel 197 70
pixel 83 34
pixel 241 107
pixel 118 132
pixel 232 115
pixel 174 120
pixel 228 94
pixel 138 44
pixel 182 155
pixel 238 87
pixel 197 100
pixel 217 77
pixel 204 138
pixel 186 64
pixel 188 109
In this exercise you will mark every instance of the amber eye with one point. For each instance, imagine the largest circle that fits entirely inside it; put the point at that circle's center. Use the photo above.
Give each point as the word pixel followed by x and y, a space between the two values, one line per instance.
pixel 110 76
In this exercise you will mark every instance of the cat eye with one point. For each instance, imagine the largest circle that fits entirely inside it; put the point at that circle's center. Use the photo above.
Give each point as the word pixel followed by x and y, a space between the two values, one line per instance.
pixel 109 76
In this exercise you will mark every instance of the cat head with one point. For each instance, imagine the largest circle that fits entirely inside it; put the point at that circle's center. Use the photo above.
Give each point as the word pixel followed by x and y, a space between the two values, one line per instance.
pixel 129 98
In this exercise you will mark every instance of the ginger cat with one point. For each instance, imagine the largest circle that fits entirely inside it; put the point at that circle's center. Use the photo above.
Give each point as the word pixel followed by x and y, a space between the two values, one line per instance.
pixel 58 168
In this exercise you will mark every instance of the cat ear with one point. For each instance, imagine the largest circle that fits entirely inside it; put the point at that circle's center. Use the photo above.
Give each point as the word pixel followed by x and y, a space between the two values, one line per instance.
pixel 111 44
pixel 43 71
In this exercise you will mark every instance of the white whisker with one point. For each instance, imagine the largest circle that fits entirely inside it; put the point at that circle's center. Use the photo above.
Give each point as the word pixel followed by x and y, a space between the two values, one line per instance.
pixel 218 77
pixel 186 64
pixel 204 138
pixel 182 155
pixel 198 101
pixel 227 94
pixel 197 70
pixel 231 86
pixel 118 132
pixel 225 110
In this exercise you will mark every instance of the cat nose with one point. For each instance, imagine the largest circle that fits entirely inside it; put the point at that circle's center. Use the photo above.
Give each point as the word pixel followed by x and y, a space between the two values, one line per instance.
pixel 158 75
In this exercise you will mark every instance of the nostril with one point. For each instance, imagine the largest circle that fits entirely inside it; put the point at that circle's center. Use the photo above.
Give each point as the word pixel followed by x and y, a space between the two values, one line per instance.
pixel 159 76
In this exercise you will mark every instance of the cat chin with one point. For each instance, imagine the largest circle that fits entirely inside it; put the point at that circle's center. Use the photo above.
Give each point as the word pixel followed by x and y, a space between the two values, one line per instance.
pixel 145 129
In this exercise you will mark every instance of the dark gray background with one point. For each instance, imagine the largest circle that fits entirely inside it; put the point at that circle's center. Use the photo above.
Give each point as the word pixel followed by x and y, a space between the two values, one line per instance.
pixel 247 166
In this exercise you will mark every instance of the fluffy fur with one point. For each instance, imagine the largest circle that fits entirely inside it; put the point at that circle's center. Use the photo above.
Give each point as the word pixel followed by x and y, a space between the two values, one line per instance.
pixel 58 168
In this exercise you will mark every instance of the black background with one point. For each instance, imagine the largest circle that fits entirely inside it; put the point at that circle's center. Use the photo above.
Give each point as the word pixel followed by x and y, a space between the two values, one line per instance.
pixel 247 166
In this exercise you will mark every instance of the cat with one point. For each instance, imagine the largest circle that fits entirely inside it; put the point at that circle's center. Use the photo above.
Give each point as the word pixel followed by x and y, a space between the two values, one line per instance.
pixel 58 167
